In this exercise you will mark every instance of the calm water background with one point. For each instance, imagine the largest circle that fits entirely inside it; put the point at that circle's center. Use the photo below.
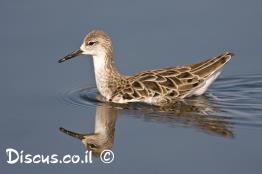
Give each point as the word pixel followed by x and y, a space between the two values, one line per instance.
pixel 148 34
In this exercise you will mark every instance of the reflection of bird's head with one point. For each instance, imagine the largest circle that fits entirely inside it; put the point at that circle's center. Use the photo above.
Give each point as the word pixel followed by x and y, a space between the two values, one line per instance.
pixel 103 136
pixel 97 143
pixel 93 142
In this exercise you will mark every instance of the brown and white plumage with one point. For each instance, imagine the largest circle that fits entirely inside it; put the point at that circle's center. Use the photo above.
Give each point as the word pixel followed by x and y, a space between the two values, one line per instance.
pixel 165 85
pixel 157 87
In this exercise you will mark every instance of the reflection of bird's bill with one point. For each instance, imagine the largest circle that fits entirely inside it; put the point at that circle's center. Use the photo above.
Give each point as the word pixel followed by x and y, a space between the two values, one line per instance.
pixel 72 134
pixel 196 112
pixel 103 136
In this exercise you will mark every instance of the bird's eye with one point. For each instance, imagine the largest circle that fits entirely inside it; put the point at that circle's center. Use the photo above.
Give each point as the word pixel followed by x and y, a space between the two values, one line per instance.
pixel 90 43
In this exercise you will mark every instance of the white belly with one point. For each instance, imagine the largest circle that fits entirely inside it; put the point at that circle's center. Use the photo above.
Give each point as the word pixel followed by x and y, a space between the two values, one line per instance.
pixel 209 81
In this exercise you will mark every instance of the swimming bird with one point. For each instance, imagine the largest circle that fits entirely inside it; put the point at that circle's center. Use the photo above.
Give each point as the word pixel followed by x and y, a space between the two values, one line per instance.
pixel 156 87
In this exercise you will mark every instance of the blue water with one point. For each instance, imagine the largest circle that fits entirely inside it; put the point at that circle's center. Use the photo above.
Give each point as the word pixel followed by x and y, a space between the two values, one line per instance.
pixel 219 132
pixel 223 126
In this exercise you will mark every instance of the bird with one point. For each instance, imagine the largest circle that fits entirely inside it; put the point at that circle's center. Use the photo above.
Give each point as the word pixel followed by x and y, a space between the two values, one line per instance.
pixel 155 87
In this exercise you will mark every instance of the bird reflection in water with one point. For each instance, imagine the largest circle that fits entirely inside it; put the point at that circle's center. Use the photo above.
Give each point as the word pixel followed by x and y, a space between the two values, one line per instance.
pixel 196 112
pixel 103 136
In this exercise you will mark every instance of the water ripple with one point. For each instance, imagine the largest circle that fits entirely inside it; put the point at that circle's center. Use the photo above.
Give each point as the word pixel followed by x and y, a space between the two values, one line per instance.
pixel 235 100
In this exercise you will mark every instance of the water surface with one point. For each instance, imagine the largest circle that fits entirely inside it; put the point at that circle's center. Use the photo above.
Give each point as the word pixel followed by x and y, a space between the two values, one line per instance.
pixel 233 100
pixel 219 132
pixel 219 126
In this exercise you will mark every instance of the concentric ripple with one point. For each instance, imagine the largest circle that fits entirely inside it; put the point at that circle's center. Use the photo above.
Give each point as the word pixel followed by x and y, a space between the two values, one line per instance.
pixel 236 100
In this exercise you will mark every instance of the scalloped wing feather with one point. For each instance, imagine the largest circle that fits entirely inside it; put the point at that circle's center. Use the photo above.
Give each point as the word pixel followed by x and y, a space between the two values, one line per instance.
pixel 171 83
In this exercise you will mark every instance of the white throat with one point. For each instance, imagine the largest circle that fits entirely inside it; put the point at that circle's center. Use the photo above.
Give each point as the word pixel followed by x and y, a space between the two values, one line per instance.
pixel 99 64
pixel 102 75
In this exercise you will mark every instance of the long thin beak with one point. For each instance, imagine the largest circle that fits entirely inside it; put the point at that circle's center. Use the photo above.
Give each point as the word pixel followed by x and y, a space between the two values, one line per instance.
pixel 72 134
pixel 71 55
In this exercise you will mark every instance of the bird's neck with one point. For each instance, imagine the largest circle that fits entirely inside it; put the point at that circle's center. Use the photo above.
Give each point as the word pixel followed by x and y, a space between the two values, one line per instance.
pixel 106 75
